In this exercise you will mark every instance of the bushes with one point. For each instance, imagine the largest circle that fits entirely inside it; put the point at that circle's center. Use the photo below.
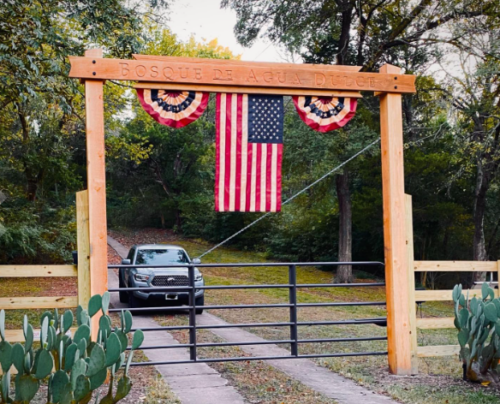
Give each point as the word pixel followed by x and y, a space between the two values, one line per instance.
pixel 31 235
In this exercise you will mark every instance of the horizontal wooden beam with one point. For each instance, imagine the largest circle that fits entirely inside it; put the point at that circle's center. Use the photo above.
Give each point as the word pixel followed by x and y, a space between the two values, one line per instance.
pixel 176 70
pixel 435 323
pixel 437 350
pixel 46 302
pixel 270 65
pixel 18 335
pixel 209 88
pixel 455 266
pixel 35 271
pixel 442 295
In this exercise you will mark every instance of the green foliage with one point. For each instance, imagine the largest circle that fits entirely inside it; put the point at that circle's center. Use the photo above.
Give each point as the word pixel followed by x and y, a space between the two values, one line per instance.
pixel 42 142
pixel 162 177
pixel 73 367
pixel 478 323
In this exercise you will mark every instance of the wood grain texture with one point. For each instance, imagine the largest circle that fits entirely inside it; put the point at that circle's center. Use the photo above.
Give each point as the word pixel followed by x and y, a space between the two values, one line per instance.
pixel 83 245
pixel 443 295
pixel 248 90
pixel 46 302
pixel 332 68
pixel 35 271
pixel 411 283
pixel 438 350
pixel 283 76
pixel 396 271
pixel 96 183
pixel 435 323
pixel 455 266
pixel 498 272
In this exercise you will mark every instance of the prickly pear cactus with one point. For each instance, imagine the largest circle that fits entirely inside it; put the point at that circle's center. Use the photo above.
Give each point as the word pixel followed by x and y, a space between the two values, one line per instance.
pixel 478 323
pixel 74 366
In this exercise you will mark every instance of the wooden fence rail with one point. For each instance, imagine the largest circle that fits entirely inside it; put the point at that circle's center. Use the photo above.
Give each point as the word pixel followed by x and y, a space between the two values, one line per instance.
pixel 42 271
pixel 80 271
pixel 434 295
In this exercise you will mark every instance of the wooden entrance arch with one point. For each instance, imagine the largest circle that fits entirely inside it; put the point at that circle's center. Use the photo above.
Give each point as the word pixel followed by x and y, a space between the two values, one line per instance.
pixel 272 78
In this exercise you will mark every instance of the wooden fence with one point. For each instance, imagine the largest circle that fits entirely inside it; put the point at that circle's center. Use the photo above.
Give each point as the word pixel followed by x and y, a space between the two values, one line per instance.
pixel 80 271
pixel 434 295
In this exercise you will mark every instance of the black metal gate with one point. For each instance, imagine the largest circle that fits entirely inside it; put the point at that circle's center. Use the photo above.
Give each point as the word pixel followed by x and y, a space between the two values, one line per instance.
pixel 293 306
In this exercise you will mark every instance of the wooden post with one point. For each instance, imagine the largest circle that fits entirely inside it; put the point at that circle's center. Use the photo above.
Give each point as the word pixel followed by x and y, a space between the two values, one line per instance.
pixel 396 271
pixel 411 283
pixel 83 246
pixel 498 273
pixel 96 184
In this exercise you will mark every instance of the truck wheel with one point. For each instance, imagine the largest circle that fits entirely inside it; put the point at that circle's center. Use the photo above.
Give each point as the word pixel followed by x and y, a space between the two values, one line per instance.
pixel 133 302
pixel 200 302
pixel 123 295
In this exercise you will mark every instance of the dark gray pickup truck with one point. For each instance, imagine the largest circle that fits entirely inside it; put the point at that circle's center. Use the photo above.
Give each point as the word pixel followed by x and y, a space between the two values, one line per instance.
pixel 159 254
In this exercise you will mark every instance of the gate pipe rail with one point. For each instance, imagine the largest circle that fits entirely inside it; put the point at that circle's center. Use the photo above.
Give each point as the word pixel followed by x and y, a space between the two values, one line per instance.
pixel 376 321
pixel 257 358
pixel 266 342
pixel 292 307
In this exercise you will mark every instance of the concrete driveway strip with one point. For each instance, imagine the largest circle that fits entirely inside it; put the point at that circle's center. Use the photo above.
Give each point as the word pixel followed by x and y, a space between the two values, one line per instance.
pixel 316 377
pixel 192 383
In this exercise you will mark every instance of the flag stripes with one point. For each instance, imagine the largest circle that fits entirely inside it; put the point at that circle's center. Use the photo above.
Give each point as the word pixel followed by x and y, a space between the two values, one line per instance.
pixel 247 175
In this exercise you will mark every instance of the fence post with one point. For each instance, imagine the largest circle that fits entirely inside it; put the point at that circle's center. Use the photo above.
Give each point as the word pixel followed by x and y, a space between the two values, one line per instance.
pixel 192 315
pixel 411 283
pixel 498 273
pixel 96 184
pixel 396 272
pixel 83 247
pixel 292 280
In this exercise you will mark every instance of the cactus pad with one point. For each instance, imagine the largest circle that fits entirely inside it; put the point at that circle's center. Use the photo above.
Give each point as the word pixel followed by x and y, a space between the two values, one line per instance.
pixel 82 387
pixel 5 356
pixel 45 364
pixel 113 349
pixel 97 360
pixel 95 304
pixel 138 339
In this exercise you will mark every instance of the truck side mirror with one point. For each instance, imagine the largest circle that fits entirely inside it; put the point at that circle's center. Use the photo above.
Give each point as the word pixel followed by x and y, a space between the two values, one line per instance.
pixel 196 261
pixel 126 261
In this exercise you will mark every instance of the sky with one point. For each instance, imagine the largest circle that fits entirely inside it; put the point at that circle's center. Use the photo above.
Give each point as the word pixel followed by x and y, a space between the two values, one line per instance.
pixel 206 20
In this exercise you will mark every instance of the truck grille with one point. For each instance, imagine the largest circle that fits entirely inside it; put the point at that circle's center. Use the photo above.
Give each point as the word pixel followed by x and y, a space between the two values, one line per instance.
pixel 170 280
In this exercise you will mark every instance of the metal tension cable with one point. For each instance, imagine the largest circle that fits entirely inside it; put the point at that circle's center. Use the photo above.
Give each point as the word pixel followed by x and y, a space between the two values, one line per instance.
pixel 291 198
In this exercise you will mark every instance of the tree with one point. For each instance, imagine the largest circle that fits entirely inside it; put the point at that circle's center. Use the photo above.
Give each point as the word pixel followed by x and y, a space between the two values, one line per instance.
pixel 42 127
pixel 366 33
pixel 474 93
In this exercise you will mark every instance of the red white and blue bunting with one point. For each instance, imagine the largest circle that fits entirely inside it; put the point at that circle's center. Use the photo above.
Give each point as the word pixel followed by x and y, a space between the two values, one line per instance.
pixel 173 108
pixel 180 108
pixel 324 114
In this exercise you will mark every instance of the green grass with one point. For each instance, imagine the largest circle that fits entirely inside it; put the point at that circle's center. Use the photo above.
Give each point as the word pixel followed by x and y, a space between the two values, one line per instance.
pixel 439 380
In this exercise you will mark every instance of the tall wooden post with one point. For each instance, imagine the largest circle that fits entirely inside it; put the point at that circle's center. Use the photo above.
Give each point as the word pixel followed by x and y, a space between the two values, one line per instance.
pixel 83 244
pixel 96 184
pixel 396 271
pixel 410 256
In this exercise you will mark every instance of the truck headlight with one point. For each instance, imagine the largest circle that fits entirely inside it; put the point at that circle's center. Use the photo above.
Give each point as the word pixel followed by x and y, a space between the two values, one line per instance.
pixel 141 277
pixel 198 277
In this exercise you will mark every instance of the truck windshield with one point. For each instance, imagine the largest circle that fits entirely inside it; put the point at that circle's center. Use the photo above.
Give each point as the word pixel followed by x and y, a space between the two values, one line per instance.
pixel 161 257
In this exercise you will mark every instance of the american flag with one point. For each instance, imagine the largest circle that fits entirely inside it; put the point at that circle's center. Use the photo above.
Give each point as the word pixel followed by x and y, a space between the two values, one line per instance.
pixel 249 149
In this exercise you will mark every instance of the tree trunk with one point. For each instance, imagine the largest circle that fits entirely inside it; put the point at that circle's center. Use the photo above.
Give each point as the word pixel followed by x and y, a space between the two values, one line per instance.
pixel 178 219
pixel 345 33
pixel 344 272
pixel 479 243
